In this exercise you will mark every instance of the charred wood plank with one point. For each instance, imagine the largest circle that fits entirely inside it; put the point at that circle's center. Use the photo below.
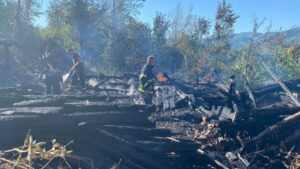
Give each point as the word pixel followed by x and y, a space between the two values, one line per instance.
pixel 30 110
pixel 103 106
pixel 129 150
pixel 291 84
pixel 137 132
pixel 132 118
pixel 270 112
pixel 77 97
pixel 216 161
pixel 282 85
pixel 274 134
pixel 250 93
pixel 8 101
pixel 54 101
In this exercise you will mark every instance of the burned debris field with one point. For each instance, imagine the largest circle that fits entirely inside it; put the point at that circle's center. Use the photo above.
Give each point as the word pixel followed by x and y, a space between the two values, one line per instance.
pixel 107 126
pixel 149 84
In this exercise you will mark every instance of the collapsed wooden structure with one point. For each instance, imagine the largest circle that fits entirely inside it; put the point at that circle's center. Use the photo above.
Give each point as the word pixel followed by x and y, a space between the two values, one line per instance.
pixel 107 125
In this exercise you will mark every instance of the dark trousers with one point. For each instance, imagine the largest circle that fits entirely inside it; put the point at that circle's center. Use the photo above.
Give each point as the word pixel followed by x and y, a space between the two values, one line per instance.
pixel 52 84
pixel 230 102
pixel 147 98
pixel 78 78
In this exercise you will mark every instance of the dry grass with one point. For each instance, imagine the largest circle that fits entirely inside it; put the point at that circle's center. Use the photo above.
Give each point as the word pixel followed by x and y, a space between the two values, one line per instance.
pixel 295 163
pixel 33 155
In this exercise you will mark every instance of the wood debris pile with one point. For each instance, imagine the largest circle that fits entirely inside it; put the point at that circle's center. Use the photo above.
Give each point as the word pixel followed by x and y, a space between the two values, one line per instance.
pixel 107 125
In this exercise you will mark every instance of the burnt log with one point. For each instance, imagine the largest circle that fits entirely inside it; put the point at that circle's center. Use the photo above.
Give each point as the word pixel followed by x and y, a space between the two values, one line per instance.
pixel 6 101
pixel 78 97
pixel 282 85
pixel 268 112
pixel 30 110
pixel 212 94
pixel 212 158
pixel 103 106
pixel 60 100
pixel 137 132
pixel 249 91
pixel 291 84
pixel 256 120
pixel 105 148
pixel 135 155
pixel 54 101
pixel 274 134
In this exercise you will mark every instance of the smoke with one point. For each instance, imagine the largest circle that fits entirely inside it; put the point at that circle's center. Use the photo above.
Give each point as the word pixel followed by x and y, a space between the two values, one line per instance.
pixel 93 82
pixel 66 77
pixel 132 88
pixel 65 82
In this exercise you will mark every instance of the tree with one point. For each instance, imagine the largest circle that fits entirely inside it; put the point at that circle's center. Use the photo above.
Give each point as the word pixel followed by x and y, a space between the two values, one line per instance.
pixel 76 24
pixel 56 18
pixel 223 32
pixel 120 20
pixel 139 45
pixel 160 50
pixel 200 29
pixel 160 28
pixel 131 47
pixel 189 34
pixel 5 31
pixel 180 22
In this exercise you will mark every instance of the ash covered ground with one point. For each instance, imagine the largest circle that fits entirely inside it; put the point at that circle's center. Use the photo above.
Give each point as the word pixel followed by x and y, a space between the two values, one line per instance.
pixel 108 124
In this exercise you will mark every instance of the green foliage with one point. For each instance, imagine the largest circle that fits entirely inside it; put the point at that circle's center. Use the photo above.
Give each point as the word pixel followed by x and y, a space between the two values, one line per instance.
pixel 63 35
pixel 256 73
pixel 18 31
pixel 288 59
pixel 112 40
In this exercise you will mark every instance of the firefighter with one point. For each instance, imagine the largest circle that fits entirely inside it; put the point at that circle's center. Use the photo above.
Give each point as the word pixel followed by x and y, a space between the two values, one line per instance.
pixel 146 80
pixel 77 70
pixel 232 96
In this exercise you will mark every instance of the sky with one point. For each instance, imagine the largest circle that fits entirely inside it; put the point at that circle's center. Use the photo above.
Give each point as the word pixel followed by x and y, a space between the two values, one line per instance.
pixel 283 14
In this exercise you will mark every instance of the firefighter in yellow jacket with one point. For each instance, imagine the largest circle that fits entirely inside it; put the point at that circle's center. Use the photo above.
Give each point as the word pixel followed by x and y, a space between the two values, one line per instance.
pixel 146 80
